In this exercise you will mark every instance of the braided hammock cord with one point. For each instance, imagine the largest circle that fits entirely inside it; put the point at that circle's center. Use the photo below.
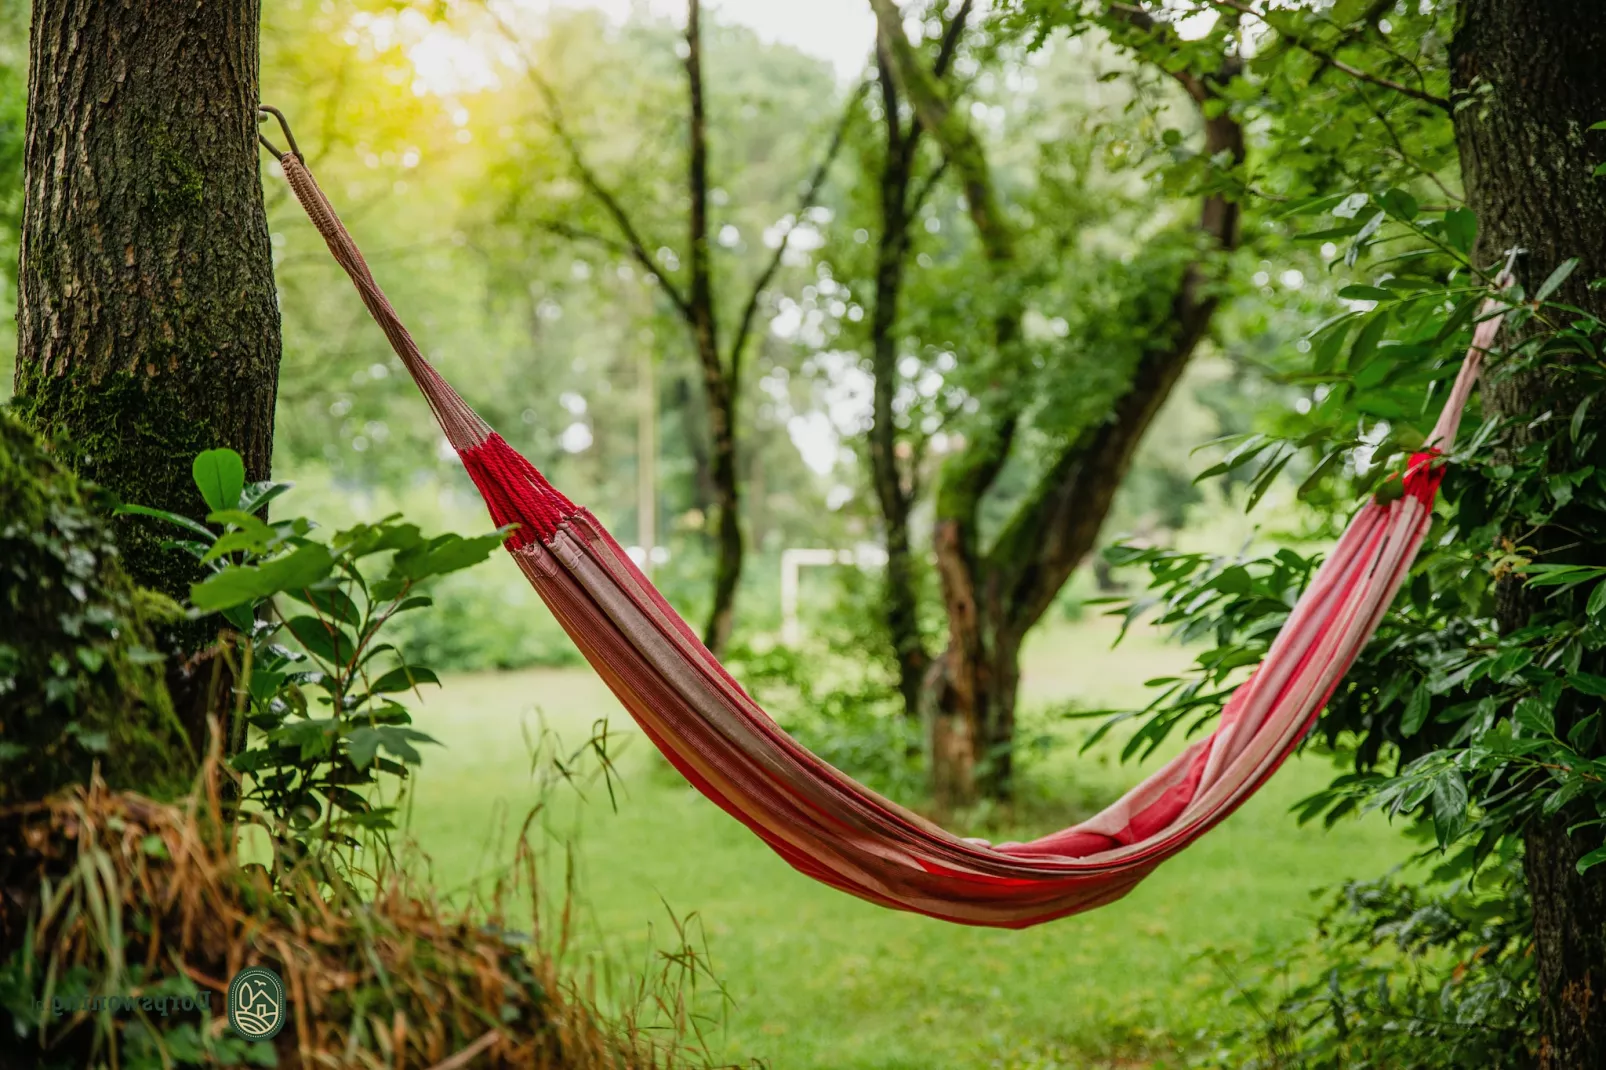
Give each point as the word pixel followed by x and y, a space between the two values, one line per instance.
pixel 818 819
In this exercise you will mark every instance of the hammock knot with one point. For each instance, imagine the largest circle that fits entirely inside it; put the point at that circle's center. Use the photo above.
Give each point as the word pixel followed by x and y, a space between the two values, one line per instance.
pixel 516 492
pixel 1424 474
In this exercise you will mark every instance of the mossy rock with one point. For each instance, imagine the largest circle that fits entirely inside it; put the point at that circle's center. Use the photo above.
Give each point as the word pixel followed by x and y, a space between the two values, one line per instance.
pixel 80 682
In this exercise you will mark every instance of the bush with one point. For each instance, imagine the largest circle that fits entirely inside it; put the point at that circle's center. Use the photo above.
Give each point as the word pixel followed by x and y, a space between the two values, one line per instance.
pixel 1400 976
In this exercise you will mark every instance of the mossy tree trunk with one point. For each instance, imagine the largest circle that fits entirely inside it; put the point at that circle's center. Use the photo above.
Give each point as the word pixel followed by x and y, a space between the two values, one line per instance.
pixel 147 325
pixel 1529 82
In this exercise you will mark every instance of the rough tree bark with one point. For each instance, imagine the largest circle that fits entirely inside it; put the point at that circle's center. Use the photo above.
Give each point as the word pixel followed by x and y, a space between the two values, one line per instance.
pixel 147 326
pixel 1532 81
pixel 993 596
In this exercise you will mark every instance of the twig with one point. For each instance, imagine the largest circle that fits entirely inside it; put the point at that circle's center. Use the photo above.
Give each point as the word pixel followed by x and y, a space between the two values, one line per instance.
pixel 633 241
pixel 811 193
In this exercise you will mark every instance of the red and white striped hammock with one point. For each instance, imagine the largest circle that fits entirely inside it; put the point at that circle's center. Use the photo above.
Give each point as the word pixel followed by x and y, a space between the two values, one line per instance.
pixel 820 820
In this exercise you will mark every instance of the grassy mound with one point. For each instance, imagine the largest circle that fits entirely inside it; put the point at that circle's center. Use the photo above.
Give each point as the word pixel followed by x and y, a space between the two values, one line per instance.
pixel 147 900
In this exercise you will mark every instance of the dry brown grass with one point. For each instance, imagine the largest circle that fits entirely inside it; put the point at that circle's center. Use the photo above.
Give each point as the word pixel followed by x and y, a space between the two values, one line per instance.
pixel 132 895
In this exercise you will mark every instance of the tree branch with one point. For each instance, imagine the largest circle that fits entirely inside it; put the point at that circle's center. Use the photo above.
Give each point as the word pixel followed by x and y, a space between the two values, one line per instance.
pixel 701 297
pixel 579 234
pixel 811 193
pixel 1053 530
pixel 959 142
pixel 633 243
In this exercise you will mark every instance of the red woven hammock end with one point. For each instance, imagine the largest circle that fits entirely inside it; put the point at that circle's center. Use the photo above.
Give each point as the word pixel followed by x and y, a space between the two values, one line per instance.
pixel 516 492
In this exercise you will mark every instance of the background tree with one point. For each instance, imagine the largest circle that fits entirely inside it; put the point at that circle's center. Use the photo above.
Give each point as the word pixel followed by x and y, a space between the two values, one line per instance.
pixel 995 591
pixel 147 328
pixel 695 295
pixel 904 184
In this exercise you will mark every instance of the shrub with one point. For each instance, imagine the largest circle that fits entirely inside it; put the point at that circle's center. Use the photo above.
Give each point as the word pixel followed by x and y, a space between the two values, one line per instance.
pixel 1401 976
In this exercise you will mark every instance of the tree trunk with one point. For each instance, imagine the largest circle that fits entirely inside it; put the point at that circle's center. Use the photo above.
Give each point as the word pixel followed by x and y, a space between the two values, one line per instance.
pixel 720 387
pixel 995 596
pixel 1531 75
pixel 147 326
pixel 887 473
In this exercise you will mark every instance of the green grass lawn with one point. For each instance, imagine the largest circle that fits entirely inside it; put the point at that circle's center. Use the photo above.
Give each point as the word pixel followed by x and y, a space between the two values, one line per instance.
pixel 819 979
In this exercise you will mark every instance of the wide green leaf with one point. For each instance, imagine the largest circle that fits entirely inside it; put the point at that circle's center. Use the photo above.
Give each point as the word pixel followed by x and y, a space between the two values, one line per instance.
pixel 1416 711
pixel 404 678
pixel 220 475
pixel 249 584
pixel 323 639
pixel 1592 859
pixel 1461 229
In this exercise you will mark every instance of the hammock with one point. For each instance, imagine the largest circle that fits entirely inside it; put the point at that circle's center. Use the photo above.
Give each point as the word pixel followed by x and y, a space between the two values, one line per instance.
pixel 821 821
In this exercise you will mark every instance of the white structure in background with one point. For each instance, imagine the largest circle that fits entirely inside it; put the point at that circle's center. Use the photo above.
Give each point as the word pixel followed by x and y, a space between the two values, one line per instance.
pixel 866 555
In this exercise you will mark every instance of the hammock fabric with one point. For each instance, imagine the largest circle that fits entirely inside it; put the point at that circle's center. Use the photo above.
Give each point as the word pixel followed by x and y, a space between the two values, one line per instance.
pixel 821 821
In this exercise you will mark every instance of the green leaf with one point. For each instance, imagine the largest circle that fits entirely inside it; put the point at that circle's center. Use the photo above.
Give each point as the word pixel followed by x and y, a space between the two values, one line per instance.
pixel 235 542
pixel 1588 683
pixel 1597 600
pixel 220 475
pixel 172 518
pixel 346 799
pixel 364 745
pixel 1332 457
pixel 331 602
pixel 1365 344
pixel 256 496
pixel 396 742
pixel 1398 203
pixel 1592 859
pixel 404 678
pixel 1416 711
pixel 1535 717
pixel 1449 806
pixel 322 639
pixel 1461 229
pixel 1557 277
pixel 1367 293
pixel 249 584
pixel 1576 428
pixel 447 553
pixel 243 520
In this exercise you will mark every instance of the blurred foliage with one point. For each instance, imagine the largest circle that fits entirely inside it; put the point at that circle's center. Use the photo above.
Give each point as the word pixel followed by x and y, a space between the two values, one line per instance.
pixel 836 691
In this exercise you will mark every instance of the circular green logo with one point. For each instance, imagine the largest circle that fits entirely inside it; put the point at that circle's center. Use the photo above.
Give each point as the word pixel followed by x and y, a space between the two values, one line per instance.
pixel 257 1007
